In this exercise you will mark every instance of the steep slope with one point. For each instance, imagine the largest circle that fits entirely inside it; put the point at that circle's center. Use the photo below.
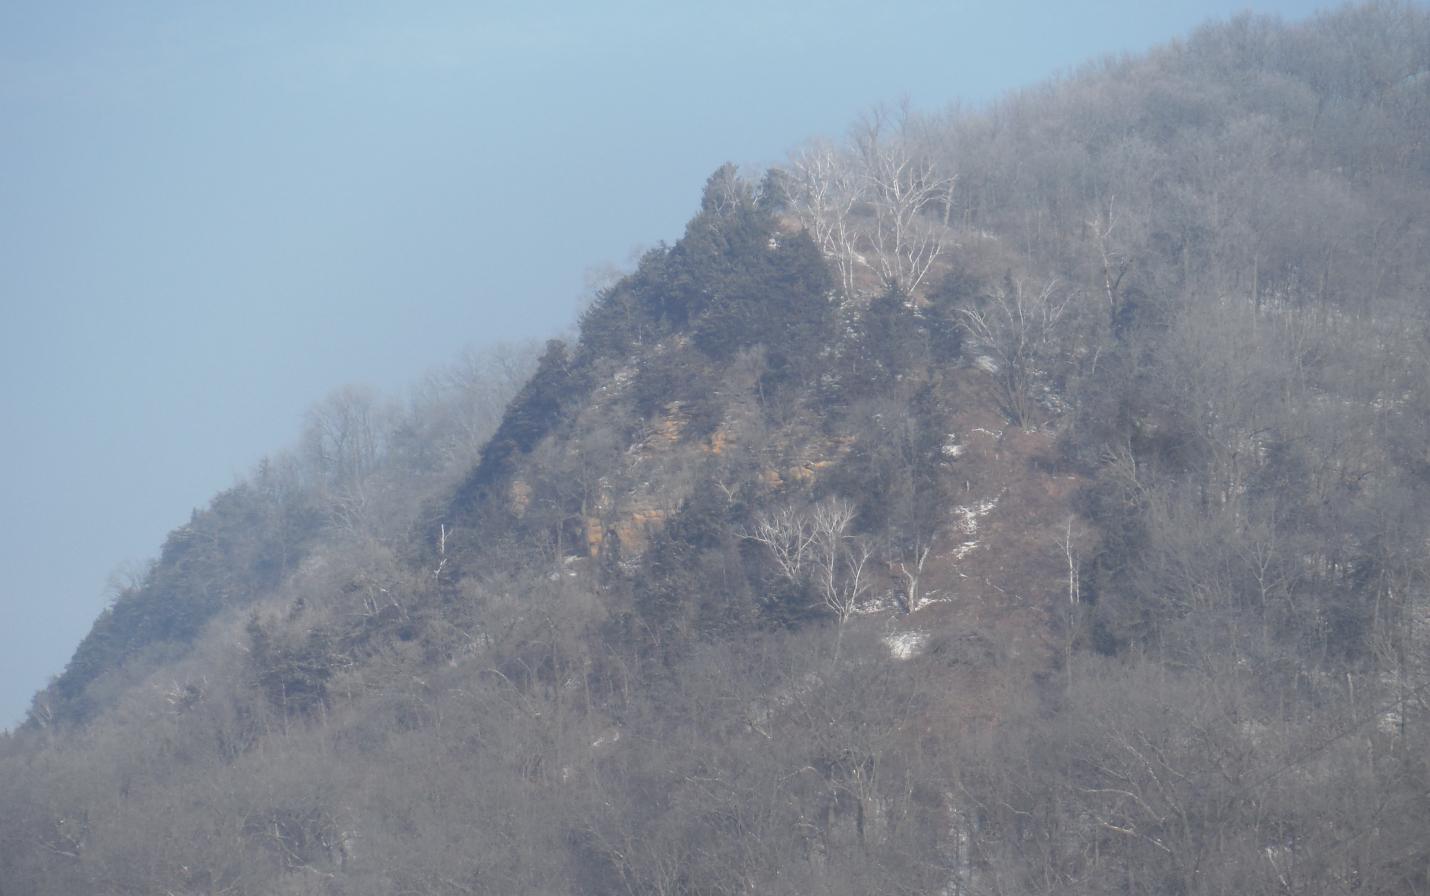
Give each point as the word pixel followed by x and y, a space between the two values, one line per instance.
pixel 1031 500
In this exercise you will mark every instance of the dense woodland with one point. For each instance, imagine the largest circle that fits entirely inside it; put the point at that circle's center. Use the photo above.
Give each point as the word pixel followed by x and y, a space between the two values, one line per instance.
pixel 1023 499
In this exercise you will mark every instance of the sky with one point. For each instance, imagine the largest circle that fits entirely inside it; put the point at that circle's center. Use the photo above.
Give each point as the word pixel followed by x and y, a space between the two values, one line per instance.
pixel 213 214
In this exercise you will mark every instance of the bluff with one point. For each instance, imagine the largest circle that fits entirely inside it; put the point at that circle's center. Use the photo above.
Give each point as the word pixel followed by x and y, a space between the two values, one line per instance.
pixel 1024 499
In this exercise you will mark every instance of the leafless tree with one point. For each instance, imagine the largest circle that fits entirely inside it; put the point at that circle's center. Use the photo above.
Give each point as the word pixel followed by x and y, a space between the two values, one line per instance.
pixel 826 186
pixel 903 187
pixel 814 547
pixel 841 557
pixel 1113 261
pixel 912 570
pixel 1016 330
pixel 788 533
pixel 346 434
pixel 879 203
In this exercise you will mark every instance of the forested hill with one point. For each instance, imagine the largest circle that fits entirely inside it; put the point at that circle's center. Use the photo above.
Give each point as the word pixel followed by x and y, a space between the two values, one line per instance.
pixel 1028 499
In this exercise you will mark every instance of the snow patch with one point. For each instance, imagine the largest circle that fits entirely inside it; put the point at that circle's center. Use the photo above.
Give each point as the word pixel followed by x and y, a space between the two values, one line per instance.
pixel 885 602
pixel 905 645
pixel 620 379
pixel 964 549
pixel 951 448
pixel 970 514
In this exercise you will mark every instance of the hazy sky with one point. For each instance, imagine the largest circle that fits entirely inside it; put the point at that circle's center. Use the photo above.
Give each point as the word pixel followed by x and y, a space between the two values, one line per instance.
pixel 212 214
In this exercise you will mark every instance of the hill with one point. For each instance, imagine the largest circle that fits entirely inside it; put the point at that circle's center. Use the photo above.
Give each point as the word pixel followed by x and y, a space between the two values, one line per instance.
pixel 1025 499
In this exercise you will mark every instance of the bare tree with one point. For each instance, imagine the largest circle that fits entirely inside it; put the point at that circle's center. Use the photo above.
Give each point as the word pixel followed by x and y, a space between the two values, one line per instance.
pixel 880 198
pixel 1016 329
pixel 1114 262
pixel 813 547
pixel 841 557
pixel 826 187
pixel 455 409
pixel 346 434
pixel 912 570
pixel 788 533
pixel 903 186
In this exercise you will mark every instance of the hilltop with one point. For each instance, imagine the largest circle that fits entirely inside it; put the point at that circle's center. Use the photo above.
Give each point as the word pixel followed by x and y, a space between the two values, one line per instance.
pixel 1025 499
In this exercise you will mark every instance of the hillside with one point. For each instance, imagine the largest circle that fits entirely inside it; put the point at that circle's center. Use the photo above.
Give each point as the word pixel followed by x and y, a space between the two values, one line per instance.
pixel 1031 499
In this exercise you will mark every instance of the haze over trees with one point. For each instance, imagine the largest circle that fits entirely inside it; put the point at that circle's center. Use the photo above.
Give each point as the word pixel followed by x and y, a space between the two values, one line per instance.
pixel 1031 499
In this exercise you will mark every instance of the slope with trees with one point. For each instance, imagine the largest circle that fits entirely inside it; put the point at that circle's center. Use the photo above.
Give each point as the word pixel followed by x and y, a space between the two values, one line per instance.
pixel 1030 499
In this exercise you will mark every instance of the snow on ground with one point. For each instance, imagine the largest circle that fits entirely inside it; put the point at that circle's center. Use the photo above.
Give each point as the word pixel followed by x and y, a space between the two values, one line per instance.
pixel 904 645
pixel 970 514
pixel 885 602
pixel 964 549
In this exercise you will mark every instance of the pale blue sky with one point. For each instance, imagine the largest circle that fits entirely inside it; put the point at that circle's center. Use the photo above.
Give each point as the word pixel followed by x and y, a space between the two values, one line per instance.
pixel 212 214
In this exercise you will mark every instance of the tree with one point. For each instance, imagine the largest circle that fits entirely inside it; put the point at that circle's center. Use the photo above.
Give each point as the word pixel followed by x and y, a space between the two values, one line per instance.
pixel 825 188
pixel 813 547
pixel 895 467
pixel 882 198
pixel 346 435
pixel 1016 328
pixel 841 557
pixel 903 185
